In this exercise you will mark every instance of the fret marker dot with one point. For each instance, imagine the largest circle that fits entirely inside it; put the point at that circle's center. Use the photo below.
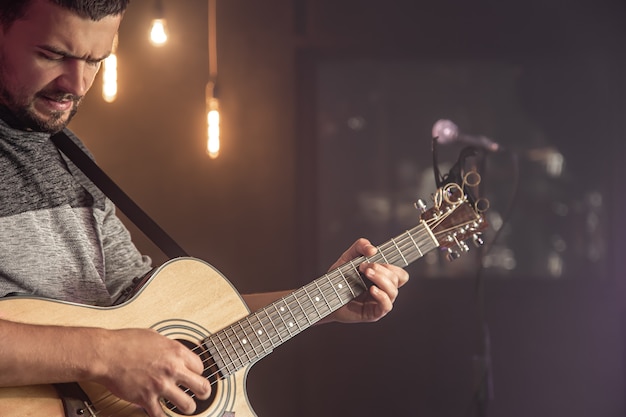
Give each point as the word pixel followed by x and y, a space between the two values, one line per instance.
pixel 244 341
pixel 282 309
pixel 317 298
pixel 340 286
pixel 290 324
pixel 260 332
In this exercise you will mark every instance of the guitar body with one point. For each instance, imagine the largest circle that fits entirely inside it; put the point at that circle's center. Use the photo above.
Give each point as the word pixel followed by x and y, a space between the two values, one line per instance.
pixel 185 299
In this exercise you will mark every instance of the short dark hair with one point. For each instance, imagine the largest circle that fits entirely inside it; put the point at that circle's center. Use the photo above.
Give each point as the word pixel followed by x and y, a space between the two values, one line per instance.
pixel 12 10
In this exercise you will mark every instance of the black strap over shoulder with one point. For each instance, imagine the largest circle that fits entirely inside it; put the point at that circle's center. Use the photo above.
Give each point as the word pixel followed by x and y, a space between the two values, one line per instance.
pixel 101 180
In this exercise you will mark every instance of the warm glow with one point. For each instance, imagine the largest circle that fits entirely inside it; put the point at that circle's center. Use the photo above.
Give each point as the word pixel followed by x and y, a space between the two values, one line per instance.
pixel 109 78
pixel 213 129
pixel 158 32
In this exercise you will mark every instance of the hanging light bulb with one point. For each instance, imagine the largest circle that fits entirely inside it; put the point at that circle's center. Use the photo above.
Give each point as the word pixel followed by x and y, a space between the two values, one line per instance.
pixel 158 32
pixel 158 29
pixel 109 75
pixel 212 103
pixel 109 79
pixel 213 121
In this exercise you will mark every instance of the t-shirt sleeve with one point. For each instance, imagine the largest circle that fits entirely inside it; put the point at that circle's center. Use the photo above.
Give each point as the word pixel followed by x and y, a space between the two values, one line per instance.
pixel 122 259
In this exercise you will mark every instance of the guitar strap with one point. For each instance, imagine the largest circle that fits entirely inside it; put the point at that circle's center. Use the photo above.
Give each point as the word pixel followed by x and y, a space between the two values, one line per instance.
pixel 101 180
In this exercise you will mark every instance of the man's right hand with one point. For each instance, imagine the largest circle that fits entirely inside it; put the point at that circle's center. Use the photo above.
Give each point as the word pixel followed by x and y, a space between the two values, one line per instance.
pixel 143 367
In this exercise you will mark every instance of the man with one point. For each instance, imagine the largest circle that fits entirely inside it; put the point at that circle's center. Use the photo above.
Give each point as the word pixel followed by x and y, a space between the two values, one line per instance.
pixel 61 241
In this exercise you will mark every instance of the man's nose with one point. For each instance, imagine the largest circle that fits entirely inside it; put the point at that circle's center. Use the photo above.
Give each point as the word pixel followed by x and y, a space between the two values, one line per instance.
pixel 76 78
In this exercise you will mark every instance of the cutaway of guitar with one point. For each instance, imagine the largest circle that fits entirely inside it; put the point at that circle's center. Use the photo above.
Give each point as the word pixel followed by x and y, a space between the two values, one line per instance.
pixel 188 300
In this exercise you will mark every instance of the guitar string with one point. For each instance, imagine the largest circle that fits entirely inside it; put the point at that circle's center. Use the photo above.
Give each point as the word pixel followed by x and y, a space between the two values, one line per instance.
pixel 243 355
pixel 325 294
pixel 407 240
pixel 127 408
pixel 421 236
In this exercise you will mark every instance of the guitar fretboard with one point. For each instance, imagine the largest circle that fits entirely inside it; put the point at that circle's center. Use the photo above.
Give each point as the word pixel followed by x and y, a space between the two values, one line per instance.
pixel 256 335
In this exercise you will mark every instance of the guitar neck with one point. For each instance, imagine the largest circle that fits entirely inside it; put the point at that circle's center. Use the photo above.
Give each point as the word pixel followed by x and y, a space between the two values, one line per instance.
pixel 256 335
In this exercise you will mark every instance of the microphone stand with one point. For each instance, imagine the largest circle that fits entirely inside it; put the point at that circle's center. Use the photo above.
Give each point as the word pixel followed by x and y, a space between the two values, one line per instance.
pixel 483 391
pixel 484 369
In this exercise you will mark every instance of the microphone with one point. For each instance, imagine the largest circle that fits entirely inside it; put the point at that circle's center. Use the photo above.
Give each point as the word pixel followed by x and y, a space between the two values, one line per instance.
pixel 447 132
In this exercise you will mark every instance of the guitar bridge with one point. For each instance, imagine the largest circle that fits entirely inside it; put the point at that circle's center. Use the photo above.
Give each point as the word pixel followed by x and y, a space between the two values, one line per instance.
pixel 75 402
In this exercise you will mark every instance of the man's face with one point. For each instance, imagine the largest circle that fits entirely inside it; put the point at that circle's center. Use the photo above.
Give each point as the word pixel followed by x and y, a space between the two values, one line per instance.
pixel 48 61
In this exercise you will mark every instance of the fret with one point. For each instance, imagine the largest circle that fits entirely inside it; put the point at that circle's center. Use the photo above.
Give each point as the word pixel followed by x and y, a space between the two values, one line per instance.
pixel 241 345
pixel 408 247
pixel 316 282
pixel 344 280
pixel 236 361
pixel 276 331
pixel 279 312
pixel 382 254
pixel 356 285
pixel 415 244
pixel 399 252
pixel 302 308
pixel 216 354
pixel 247 342
pixel 287 314
pixel 332 285
pixel 294 323
pixel 313 304
pixel 229 364
pixel 261 334
pixel 356 276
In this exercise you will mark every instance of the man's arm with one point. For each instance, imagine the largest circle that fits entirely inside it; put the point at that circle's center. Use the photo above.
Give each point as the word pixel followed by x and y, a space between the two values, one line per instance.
pixel 116 359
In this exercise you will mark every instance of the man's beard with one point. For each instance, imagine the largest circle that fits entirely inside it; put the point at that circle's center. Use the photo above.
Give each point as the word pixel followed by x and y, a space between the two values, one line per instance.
pixel 24 115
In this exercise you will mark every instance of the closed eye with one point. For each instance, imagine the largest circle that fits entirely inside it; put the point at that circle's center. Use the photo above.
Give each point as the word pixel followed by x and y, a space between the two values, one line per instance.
pixel 50 56
pixel 53 55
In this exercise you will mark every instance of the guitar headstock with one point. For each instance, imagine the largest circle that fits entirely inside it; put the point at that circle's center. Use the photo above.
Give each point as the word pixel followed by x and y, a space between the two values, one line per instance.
pixel 455 218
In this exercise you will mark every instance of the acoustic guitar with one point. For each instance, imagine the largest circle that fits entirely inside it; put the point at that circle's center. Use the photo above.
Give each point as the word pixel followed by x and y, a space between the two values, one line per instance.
pixel 188 300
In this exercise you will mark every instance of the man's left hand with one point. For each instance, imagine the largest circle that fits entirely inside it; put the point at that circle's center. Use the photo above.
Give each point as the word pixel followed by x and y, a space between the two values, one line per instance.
pixel 378 300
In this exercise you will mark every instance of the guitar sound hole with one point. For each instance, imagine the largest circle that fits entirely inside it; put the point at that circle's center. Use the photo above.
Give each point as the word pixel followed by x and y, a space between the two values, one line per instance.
pixel 211 372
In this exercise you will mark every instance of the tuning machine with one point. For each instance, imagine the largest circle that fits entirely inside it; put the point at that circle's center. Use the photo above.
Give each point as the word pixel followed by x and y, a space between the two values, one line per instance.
pixel 452 255
pixel 421 205
pixel 477 240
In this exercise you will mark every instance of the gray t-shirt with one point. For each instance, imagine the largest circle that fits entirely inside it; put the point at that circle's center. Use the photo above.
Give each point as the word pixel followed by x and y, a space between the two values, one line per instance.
pixel 59 235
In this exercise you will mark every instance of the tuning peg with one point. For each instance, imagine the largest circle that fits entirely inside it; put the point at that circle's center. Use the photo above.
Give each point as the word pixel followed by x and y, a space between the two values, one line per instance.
pixel 463 246
pixel 420 205
pixel 477 239
pixel 452 255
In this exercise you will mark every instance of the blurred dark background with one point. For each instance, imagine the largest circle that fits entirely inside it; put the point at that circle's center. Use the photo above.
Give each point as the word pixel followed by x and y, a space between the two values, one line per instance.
pixel 327 109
